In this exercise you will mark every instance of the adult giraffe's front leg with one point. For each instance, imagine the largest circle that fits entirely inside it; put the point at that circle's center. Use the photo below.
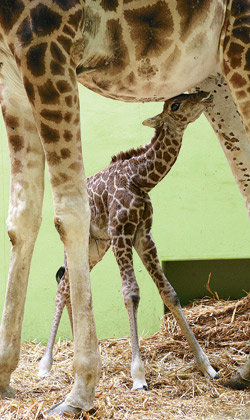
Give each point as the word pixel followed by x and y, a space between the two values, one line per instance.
pixel 230 131
pixel 53 93
pixel 25 207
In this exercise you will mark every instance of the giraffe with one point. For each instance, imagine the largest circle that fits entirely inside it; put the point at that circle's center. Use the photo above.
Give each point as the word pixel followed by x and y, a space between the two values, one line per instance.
pixel 121 217
pixel 130 50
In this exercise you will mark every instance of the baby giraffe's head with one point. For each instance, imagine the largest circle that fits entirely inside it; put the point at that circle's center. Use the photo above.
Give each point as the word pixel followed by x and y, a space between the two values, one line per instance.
pixel 181 110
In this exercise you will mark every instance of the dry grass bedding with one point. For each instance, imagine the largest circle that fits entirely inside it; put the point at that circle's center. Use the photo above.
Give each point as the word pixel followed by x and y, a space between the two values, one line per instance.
pixel 177 390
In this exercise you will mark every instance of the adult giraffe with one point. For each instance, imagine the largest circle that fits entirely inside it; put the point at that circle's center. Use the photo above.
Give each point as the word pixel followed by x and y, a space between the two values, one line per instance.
pixel 131 50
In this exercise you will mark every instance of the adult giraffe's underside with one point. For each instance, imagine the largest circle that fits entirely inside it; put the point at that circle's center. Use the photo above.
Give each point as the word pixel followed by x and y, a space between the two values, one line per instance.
pixel 138 50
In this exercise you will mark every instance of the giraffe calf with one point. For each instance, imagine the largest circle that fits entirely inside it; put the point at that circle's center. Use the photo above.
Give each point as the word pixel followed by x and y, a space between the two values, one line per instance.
pixel 121 217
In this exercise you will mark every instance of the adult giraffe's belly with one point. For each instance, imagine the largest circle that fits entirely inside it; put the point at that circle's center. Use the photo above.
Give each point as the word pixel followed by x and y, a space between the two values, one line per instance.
pixel 152 53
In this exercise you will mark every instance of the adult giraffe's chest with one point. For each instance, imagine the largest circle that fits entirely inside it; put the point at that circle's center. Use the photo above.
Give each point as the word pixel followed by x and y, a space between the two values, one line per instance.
pixel 151 51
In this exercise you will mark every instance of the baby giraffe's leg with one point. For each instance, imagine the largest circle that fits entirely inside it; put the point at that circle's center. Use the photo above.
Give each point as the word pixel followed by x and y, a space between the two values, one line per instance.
pixel 62 299
pixel 122 248
pixel 146 250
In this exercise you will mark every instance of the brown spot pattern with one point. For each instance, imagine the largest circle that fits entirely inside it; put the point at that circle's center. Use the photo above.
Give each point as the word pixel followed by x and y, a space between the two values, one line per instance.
pixel 49 134
pixel 35 59
pixel 44 21
pixel 10 10
pixel 48 93
pixel 149 28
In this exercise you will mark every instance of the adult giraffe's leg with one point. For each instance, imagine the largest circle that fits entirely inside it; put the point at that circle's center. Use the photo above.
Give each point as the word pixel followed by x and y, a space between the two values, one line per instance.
pixel 122 248
pixel 235 56
pixel 53 94
pixel 230 131
pixel 241 379
pixel 146 249
pixel 25 207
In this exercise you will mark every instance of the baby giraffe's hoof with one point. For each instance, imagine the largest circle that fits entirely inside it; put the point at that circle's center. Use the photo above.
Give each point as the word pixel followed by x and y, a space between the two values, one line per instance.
pixel 7 392
pixel 64 410
pixel 237 382
pixel 143 388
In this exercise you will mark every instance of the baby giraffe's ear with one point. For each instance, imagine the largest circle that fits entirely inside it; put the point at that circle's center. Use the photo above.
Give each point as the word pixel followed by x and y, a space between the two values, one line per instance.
pixel 154 122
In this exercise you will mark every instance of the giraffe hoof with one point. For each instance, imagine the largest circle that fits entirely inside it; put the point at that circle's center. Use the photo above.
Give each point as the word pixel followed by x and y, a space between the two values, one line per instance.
pixel 65 410
pixel 237 382
pixel 7 392
pixel 143 388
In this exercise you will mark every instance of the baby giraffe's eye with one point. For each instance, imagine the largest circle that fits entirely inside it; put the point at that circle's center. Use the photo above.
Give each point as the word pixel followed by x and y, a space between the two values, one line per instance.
pixel 175 106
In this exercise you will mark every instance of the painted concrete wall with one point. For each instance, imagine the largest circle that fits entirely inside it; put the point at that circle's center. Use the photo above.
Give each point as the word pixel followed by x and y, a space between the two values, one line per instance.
pixel 198 213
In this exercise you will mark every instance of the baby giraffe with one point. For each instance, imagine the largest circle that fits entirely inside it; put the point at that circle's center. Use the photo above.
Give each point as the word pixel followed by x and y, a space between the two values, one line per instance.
pixel 121 216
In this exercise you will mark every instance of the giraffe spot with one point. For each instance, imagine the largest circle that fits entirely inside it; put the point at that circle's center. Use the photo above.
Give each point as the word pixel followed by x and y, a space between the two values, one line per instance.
pixel 67 30
pixel 167 157
pixel 237 80
pixel 16 166
pixel 11 121
pixel 67 135
pixel 129 229
pixel 160 167
pixel 242 34
pixel 10 10
pixel 16 142
pixel 133 216
pixel 65 153
pixel 154 177
pixel 66 4
pixel 53 158
pixel 117 46
pixel 68 116
pixel 56 69
pixel 76 19
pixel 24 32
pixel 44 20
pixel 76 166
pixel 109 5
pixel 35 59
pixel 55 116
pixel 247 65
pixel 63 86
pixel 149 28
pixel 48 93
pixel 65 42
pixel 49 134
pixel 57 54
pixel 122 216
pixel 192 13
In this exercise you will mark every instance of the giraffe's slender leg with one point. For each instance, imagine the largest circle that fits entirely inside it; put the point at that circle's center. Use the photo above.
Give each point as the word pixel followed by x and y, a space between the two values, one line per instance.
pixel 241 379
pixel 53 94
pixel 62 298
pixel 25 207
pixel 230 131
pixel 234 57
pixel 130 290
pixel 96 253
pixel 146 249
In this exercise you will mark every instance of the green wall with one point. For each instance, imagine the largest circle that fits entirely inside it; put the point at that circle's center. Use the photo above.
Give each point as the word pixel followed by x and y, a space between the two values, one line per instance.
pixel 198 213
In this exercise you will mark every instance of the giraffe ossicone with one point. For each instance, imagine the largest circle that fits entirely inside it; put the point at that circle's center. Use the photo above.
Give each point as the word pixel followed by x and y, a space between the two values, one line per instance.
pixel 145 50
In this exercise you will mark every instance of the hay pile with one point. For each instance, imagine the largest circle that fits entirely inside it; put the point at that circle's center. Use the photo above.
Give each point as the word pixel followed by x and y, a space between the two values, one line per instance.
pixel 177 389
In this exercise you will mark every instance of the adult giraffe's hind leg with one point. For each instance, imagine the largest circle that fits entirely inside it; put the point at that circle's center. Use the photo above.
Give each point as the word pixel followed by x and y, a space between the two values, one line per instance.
pixel 235 56
pixel 227 124
pixel 25 207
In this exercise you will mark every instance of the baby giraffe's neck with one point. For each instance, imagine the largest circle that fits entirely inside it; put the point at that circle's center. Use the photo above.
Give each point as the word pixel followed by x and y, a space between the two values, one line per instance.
pixel 158 157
